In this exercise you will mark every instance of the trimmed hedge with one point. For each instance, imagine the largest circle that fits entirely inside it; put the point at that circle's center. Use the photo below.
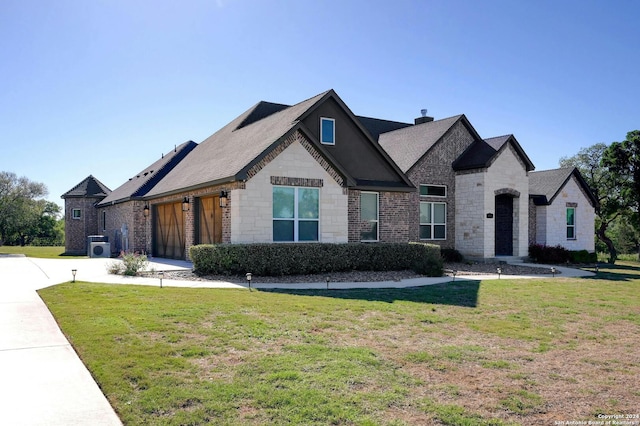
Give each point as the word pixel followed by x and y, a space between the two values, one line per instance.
pixel 316 258
pixel 557 254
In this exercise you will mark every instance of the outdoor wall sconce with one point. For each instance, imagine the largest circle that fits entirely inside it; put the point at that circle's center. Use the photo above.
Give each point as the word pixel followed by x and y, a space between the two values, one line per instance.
pixel 224 197
pixel 145 211
pixel 499 270
pixel 161 275
pixel 74 272
pixel 185 204
pixel 249 279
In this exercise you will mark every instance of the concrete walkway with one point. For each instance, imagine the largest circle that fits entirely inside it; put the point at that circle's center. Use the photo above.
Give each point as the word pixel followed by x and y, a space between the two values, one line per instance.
pixel 42 380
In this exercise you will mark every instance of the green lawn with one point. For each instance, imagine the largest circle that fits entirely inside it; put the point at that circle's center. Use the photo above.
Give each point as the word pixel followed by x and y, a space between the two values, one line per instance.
pixel 465 353
pixel 33 251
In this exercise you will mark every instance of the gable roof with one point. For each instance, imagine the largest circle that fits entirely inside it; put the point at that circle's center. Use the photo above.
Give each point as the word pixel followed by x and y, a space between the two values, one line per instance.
pixel 482 153
pixel 90 187
pixel 143 182
pixel 408 145
pixel 544 186
pixel 228 154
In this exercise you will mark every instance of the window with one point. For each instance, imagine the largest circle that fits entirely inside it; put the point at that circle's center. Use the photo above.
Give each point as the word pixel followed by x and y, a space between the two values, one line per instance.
pixel 433 190
pixel 104 220
pixel 369 214
pixel 295 213
pixel 433 221
pixel 327 131
pixel 76 213
pixel 571 223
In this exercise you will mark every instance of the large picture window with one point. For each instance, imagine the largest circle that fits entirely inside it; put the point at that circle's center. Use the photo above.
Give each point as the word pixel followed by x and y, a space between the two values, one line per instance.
pixel 369 215
pixel 296 213
pixel 571 223
pixel 433 221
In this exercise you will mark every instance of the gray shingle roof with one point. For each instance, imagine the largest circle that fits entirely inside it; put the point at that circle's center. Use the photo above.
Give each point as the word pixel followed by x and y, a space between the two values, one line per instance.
pixel 227 152
pixel 90 187
pixel 407 145
pixel 140 184
pixel 547 183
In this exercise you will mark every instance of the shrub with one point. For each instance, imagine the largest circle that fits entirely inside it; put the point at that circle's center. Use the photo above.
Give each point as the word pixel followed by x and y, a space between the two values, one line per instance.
pixel 540 253
pixel 301 258
pixel 451 255
pixel 583 256
pixel 132 264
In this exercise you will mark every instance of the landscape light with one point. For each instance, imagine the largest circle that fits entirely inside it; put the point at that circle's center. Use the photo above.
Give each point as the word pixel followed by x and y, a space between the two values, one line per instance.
pixel 454 272
pixel 553 271
pixel 74 272
pixel 249 279
pixel 499 272
pixel 161 275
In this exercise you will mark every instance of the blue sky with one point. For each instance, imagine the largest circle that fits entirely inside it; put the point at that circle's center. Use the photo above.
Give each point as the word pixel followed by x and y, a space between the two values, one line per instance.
pixel 105 87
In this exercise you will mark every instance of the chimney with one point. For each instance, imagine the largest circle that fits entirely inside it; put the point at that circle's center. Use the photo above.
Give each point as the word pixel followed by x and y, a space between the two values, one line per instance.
pixel 424 118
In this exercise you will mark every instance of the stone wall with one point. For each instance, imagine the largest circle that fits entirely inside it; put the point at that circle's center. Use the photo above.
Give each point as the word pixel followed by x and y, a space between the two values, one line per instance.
pixel 475 200
pixel 507 174
pixel 297 162
pixel 555 233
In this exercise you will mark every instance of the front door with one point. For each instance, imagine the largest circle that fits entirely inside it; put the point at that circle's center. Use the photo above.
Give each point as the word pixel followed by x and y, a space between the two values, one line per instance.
pixel 504 225
pixel 169 239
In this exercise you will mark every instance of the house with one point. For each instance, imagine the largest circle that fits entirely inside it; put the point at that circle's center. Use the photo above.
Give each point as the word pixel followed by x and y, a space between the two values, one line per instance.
pixel 561 209
pixel 314 171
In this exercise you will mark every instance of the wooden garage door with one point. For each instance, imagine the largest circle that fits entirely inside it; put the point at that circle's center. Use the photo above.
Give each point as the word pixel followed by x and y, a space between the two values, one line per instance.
pixel 169 238
pixel 209 220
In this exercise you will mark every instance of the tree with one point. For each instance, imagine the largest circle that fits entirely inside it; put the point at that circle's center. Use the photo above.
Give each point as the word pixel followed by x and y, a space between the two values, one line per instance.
pixel 622 159
pixel 605 186
pixel 20 207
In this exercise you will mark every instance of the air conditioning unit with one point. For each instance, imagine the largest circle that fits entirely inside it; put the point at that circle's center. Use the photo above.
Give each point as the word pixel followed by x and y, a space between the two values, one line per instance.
pixel 100 249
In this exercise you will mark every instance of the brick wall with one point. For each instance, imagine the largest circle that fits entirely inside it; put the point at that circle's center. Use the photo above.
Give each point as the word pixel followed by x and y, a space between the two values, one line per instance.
pixel 77 230
pixel 435 169
pixel 111 220
pixel 393 220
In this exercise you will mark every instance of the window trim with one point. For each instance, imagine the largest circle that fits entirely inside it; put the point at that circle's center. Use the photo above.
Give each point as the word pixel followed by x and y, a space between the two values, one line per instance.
pixel 430 195
pixel 432 224
pixel 295 219
pixel 376 221
pixel 572 226
pixel 73 214
pixel 333 128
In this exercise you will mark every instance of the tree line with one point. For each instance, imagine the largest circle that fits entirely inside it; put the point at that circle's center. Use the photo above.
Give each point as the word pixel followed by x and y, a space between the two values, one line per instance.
pixel 26 218
pixel 613 174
